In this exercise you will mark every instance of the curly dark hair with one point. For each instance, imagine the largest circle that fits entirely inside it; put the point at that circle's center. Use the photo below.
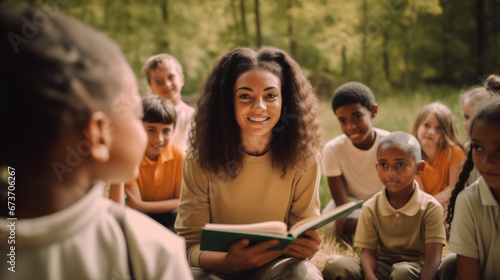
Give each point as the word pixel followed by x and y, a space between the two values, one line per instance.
pixel 353 92
pixel 215 139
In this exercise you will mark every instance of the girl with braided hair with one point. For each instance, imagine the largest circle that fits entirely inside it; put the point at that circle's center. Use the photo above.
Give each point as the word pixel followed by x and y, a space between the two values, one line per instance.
pixel 474 212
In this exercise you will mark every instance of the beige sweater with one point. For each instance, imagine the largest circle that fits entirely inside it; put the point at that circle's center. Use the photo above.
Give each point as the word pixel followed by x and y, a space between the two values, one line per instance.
pixel 257 194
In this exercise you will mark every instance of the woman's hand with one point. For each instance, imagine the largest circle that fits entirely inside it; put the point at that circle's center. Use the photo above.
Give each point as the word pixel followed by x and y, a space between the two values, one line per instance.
pixel 242 256
pixel 304 247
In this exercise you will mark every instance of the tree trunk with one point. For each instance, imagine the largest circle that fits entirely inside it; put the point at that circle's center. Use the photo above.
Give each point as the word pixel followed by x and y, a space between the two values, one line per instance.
pixel 407 53
pixel 480 37
pixel 258 38
pixel 244 22
pixel 291 36
pixel 495 32
pixel 344 61
pixel 364 50
pixel 446 29
pixel 106 10
pixel 163 43
pixel 234 13
pixel 164 11
pixel 385 56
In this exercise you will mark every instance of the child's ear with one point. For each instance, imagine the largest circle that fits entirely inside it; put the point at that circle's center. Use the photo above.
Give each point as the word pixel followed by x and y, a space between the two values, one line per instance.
pixel 99 134
pixel 374 110
pixel 420 166
pixel 182 79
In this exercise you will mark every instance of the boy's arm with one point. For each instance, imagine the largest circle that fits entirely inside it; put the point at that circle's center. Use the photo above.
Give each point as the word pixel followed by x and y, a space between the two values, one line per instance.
pixel 368 262
pixel 339 195
pixel 432 260
pixel 135 201
pixel 468 268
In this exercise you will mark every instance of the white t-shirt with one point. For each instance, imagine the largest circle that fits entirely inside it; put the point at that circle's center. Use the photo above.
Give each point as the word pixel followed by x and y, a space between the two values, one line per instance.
pixel 341 157
pixel 85 241
pixel 182 126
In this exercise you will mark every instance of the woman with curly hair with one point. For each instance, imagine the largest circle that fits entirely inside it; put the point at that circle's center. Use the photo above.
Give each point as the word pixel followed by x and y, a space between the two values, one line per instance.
pixel 253 158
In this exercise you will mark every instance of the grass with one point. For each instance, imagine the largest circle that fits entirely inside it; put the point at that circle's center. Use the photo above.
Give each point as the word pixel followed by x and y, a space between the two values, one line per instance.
pixel 397 111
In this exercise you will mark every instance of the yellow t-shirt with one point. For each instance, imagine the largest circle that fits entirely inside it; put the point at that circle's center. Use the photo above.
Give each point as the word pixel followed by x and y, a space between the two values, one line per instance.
pixel 157 179
pixel 435 177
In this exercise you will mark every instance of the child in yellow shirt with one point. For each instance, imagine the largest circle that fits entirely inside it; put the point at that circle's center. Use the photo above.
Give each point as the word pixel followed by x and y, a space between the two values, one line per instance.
pixel 156 190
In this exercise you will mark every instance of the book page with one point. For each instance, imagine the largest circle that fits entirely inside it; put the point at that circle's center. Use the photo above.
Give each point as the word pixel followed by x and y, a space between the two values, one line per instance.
pixel 275 227
pixel 325 218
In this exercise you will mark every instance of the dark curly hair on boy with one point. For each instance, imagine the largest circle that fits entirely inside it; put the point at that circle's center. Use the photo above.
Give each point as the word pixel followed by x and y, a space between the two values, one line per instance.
pixel 353 92
pixel 215 139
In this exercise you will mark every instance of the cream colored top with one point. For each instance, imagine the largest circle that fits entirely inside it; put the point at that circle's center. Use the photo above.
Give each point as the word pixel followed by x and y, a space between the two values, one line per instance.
pixel 475 228
pixel 85 241
pixel 257 194
pixel 400 234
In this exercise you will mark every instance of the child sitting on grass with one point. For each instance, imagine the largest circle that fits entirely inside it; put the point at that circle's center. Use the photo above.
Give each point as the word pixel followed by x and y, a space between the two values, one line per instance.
pixel 400 229
pixel 473 212
pixel 156 190
pixel 436 130
pixel 72 112
pixel 470 102
pixel 348 159
pixel 166 79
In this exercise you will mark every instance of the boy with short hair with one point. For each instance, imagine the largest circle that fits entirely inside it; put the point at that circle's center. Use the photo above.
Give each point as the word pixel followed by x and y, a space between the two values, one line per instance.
pixel 348 158
pixel 156 190
pixel 400 229
pixel 166 79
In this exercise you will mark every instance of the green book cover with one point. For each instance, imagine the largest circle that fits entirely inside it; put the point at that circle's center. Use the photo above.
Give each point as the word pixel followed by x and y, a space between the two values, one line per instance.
pixel 219 237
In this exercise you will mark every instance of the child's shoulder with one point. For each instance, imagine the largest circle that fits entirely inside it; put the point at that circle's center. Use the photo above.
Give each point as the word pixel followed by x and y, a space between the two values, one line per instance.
pixel 427 200
pixel 172 152
pixel 146 230
pixel 337 141
pixel 149 241
pixel 381 132
pixel 177 151
pixel 184 108
pixel 475 192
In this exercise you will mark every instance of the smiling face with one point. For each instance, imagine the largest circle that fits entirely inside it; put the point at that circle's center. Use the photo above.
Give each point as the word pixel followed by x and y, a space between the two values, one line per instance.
pixel 257 103
pixel 159 135
pixel 429 131
pixel 356 123
pixel 167 82
pixel 485 143
pixel 397 168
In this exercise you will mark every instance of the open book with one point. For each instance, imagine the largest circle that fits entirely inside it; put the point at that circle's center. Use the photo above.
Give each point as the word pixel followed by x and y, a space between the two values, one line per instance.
pixel 219 237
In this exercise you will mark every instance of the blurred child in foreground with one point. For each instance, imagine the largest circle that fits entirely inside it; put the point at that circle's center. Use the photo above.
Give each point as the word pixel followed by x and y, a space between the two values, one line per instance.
pixel 74 123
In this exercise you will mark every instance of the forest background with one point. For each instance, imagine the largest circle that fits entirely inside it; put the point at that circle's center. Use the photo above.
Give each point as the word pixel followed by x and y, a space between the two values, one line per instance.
pixel 409 52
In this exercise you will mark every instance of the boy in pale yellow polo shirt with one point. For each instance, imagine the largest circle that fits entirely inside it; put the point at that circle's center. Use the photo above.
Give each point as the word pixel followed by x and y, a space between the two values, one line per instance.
pixel 400 229
pixel 156 190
